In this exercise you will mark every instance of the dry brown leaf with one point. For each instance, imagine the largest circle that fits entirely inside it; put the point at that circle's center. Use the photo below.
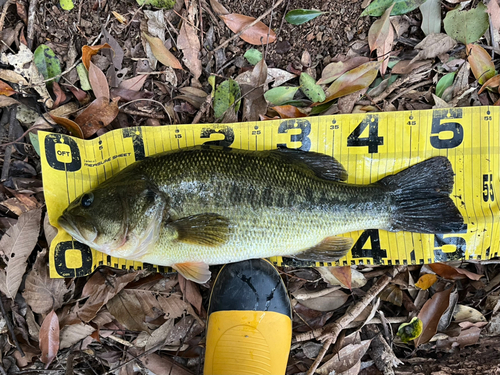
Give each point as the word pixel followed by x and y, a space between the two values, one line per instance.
pixel 406 66
pixel 97 115
pixel 69 125
pixel 17 244
pixel 191 292
pixel 5 89
pixel 494 12
pixel 160 364
pixel 431 313
pixel 493 82
pixel 254 103
pixel 172 306
pixel 334 70
pixel 453 273
pixel 218 8
pixel 433 45
pixel 393 294
pixel 98 82
pixel 256 35
pixel 131 307
pixel 481 63
pixel 288 111
pixel 353 80
pixel 327 302
pixel 161 53
pixel 342 274
pixel 159 335
pixel 380 31
pixel 345 359
pixel 74 333
pixel 41 292
pixel 49 338
pixel 89 51
pixel 134 83
pixel 49 231
pixel 189 44
pixel 59 93
pixel 100 288
pixel 6 101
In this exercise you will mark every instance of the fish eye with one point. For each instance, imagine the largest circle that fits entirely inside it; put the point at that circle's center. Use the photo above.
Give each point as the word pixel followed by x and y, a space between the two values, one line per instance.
pixel 87 200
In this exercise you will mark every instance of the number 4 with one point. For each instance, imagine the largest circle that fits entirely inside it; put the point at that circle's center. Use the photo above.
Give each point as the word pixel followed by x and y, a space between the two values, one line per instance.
pixel 372 141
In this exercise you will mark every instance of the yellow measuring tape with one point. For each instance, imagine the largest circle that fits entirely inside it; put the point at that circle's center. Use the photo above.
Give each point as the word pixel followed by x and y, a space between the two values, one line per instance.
pixel 370 146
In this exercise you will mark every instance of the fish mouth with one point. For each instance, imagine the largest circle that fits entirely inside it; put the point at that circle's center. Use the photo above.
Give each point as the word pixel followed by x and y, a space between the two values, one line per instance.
pixel 69 226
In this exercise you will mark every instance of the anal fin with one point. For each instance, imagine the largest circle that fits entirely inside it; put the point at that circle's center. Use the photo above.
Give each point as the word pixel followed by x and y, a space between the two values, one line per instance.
pixel 330 249
pixel 194 271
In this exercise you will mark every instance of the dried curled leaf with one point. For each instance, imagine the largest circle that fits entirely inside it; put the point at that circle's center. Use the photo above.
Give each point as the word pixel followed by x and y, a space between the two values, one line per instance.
pixel 453 273
pixel 17 244
pixel 161 52
pixel 431 313
pixel 97 115
pixel 256 35
pixel 89 51
pixel 481 63
pixel 49 338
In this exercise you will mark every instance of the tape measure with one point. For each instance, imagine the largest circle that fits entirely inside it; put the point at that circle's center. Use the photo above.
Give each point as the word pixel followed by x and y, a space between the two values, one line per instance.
pixel 369 146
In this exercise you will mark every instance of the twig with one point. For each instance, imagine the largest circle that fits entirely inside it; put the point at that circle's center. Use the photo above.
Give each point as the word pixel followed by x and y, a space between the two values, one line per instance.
pixel 203 109
pixel 30 29
pixel 249 26
pixel 415 86
pixel 4 12
pixel 143 114
pixel 10 148
pixel 330 332
pixel 9 327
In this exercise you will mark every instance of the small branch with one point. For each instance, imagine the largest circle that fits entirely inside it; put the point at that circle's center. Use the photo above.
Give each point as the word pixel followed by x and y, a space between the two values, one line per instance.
pixel 9 326
pixel 330 332
pixel 249 26
pixel 415 86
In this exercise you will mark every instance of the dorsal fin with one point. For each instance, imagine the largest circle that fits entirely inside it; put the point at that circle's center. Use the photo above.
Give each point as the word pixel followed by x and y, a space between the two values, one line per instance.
pixel 323 166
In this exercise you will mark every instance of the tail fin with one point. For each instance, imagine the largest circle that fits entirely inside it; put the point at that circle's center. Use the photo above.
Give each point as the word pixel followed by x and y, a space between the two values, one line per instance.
pixel 421 198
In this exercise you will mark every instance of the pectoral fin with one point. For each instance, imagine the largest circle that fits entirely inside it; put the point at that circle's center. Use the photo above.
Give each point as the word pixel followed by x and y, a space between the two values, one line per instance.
pixel 330 249
pixel 203 229
pixel 194 271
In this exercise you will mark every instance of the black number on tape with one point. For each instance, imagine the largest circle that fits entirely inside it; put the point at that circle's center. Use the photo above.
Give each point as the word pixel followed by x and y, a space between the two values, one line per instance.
pixel 376 252
pixel 459 243
pixel 62 153
pixel 303 137
pixel 372 141
pixel 453 128
pixel 62 268
pixel 226 131
pixel 488 194
pixel 137 142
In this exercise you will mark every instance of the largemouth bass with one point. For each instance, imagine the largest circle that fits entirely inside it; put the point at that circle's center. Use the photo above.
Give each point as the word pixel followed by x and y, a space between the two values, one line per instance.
pixel 200 206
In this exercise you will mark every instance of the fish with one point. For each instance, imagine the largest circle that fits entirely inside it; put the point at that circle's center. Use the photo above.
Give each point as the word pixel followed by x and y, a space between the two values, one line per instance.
pixel 206 205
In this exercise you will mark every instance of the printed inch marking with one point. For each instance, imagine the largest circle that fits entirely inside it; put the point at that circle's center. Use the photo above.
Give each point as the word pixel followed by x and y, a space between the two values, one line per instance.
pixel 439 127
pixel 372 141
pixel 376 252
pixel 72 259
pixel 488 193
pixel 302 137
pixel 62 153
pixel 451 247
pixel 226 131
pixel 137 142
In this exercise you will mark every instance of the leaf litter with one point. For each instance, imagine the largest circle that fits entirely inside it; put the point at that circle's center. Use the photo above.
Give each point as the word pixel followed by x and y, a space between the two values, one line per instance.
pixel 294 69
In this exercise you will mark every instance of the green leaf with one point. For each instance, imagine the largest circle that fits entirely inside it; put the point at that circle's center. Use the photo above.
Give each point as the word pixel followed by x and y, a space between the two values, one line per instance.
pixel 320 108
pixel 410 331
pixel 227 93
pixel 35 143
pixel 253 56
pixel 300 16
pixel 431 17
pixel 467 26
pixel 163 4
pixel 445 82
pixel 280 95
pixel 46 62
pixel 311 89
pixel 66 4
pixel 378 7
pixel 84 77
